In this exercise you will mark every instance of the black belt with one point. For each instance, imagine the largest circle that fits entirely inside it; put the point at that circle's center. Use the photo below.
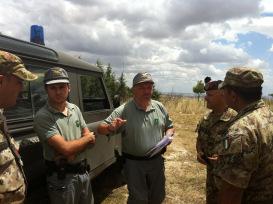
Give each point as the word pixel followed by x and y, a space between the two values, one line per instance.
pixel 77 168
pixel 140 158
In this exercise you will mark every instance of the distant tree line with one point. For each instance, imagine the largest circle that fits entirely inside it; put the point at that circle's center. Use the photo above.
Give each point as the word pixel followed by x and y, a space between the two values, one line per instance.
pixel 117 85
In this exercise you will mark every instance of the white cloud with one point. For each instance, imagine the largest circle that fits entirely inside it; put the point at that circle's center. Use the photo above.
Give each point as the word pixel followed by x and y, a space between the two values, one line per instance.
pixel 271 49
pixel 267 6
pixel 176 40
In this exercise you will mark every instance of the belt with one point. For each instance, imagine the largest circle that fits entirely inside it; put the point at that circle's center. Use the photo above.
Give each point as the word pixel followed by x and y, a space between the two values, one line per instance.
pixel 140 158
pixel 77 168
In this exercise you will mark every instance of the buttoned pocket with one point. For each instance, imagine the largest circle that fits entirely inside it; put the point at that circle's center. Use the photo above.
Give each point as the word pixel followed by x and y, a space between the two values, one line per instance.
pixel 6 155
pixel 11 178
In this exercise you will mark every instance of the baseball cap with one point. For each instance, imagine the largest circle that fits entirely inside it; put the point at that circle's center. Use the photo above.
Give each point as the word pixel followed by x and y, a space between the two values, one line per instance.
pixel 212 85
pixel 56 75
pixel 142 77
pixel 12 64
pixel 242 77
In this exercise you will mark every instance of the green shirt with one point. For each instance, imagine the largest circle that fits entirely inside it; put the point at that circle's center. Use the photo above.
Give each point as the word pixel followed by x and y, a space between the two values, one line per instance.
pixel 143 129
pixel 49 122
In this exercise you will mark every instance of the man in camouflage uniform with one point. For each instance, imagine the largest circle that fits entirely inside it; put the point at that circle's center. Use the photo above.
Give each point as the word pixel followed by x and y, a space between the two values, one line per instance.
pixel 12 180
pixel 208 133
pixel 244 166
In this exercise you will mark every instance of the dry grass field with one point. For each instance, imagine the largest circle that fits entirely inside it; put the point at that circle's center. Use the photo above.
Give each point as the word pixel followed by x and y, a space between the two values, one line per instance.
pixel 185 178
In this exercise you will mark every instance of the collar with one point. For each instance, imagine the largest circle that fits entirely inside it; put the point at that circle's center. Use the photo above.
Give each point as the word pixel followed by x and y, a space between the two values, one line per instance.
pixel 228 114
pixel 225 116
pixel 69 106
pixel 252 106
pixel 149 108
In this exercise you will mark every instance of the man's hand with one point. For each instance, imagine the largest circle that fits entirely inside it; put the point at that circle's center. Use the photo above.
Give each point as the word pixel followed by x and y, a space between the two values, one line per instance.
pixel 170 132
pixel 105 129
pixel 91 136
pixel 213 158
pixel 116 124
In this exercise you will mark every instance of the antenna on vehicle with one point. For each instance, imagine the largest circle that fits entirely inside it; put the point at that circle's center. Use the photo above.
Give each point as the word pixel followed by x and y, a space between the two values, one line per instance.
pixel 37 34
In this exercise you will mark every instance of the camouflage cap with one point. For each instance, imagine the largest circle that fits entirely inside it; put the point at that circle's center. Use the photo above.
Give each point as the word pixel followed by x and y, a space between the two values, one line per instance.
pixel 142 77
pixel 212 85
pixel 56 75
pixel 242 77
pixel 12 64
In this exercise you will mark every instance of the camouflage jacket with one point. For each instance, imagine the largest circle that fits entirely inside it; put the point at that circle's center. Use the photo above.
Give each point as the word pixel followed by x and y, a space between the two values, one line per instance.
pixel 208 131
pixel 11 174
pixel 245 153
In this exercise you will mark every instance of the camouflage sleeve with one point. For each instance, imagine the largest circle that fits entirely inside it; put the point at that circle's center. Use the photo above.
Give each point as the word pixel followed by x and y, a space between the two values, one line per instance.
pixel 237 156
pixel 198 142
pixel 201 137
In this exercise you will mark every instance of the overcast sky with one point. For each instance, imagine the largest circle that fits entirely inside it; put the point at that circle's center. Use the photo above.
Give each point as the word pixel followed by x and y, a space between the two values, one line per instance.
pixel 178 41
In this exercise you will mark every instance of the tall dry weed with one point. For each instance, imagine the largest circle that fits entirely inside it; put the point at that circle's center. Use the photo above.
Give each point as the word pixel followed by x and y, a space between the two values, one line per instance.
pixel 185 176
pixel 269 102
pixel 184 105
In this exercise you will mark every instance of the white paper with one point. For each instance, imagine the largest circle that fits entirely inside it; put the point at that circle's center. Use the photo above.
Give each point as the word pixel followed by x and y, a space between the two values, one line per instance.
pixel 166 140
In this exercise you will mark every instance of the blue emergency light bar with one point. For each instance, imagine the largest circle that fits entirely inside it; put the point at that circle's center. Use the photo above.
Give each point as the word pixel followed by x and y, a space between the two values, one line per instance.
pixel 37 34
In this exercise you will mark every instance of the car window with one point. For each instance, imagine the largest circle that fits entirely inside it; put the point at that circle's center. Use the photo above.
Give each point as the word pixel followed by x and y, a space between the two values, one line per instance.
pixel 30 100
pixel 93 93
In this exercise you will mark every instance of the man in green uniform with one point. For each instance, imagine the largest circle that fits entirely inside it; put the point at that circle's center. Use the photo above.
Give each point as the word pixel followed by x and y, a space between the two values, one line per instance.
pixel 142 122
pixel 65 137
pixel 12 179
pixel 208 133
pixel 244 165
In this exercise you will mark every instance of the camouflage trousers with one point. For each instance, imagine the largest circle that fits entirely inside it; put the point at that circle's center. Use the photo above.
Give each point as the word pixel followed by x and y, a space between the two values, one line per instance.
pixel 14 197
pixel 211 190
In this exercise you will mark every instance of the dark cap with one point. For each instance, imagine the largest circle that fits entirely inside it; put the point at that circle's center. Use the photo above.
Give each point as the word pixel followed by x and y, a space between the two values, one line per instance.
pixel 56 75
pixel 12 64
pixel 212 85
pixel 242 77
pixel 142 77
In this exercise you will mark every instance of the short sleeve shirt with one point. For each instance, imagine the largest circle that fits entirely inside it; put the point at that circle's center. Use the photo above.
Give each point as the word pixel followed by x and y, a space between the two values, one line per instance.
pixel 143 129
pixel 49 122
pixel 246 153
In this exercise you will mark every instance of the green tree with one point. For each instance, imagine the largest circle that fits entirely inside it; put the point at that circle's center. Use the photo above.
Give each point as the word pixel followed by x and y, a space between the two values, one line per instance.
pixel 156 94
pixel 199 88
pixel 100 65
pixel 110 81
pixel 122 89
pixel 118 87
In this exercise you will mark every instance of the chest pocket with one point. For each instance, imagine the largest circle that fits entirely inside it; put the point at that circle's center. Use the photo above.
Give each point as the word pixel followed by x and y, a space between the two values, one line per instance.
pixel 10 175
pixel 6 156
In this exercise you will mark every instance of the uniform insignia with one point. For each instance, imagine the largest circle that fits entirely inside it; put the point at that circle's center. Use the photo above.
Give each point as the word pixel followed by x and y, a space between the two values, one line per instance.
pixel 77 123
